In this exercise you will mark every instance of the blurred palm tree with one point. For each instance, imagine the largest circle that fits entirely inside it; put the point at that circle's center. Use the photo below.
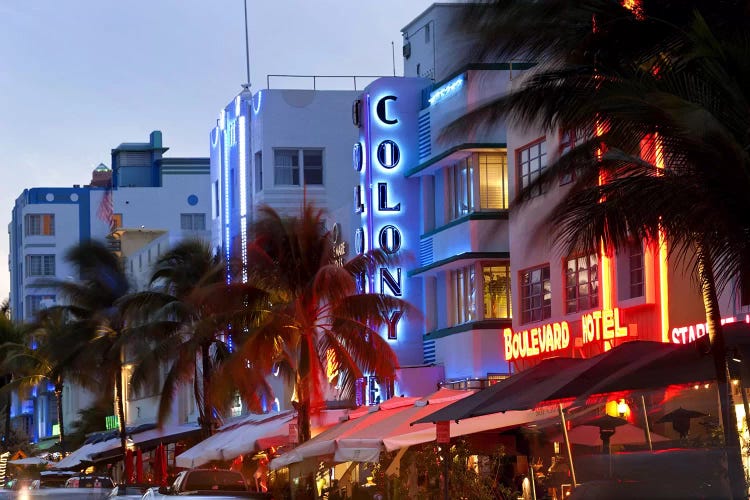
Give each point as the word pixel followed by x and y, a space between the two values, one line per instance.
pixel 43 355
pixel 9 333
pixel 177 324
pixel 305 317
pixel 96 342
pixel 660 92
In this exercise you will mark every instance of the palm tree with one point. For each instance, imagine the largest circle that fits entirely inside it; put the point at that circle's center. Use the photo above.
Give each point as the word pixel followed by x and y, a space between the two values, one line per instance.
pixel 672 74
pixel 176 322
pixel 9 332
pixel 96 343
pixel 305 316
pixel 41 357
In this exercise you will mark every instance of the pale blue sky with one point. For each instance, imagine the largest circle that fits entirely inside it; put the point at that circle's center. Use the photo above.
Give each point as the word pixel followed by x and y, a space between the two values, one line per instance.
pixel 78 77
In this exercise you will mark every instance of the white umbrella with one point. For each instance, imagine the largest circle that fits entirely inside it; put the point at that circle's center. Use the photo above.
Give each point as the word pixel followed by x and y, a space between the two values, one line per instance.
pixel 29 461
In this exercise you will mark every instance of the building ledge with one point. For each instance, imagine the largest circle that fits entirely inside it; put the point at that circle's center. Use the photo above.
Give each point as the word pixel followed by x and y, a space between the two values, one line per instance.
pixel 494 215
pixel 487 324
pixel 454 154
pixel 446 263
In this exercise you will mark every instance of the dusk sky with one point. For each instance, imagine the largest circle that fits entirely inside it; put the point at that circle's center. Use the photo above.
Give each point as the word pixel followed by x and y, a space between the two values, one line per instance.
pixel 79 77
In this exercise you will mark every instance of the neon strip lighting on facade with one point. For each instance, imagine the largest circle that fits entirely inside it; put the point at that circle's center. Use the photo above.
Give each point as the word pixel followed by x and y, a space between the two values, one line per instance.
pixel 605 262
pixel 663 264
pixel 227 206
pixel 256 109
pixel 243 168
pixel 243 195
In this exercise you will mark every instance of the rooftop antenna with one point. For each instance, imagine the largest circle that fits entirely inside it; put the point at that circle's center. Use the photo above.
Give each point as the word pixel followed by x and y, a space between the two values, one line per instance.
pixel 393 56
pixel 246 86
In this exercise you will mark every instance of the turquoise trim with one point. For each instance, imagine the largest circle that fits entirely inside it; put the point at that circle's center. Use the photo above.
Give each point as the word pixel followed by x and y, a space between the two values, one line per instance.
pixel 461 256
pixel 487 324
pixel 460 147
pixel 495 215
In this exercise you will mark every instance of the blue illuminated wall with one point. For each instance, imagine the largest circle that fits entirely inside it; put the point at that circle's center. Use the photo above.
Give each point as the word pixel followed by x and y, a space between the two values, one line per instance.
pixel 389 204
pixel 229 176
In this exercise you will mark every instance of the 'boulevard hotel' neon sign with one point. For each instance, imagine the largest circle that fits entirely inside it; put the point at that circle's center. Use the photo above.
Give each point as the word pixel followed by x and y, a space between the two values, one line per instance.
pixel 387 202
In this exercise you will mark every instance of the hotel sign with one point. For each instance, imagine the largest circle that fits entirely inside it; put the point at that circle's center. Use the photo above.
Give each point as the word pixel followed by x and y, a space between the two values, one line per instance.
pixel 553 337
pixel 535 341
pixel 602 325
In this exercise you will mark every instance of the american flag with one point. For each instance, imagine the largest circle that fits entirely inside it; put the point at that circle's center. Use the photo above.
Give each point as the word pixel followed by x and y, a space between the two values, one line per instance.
pixel 106 208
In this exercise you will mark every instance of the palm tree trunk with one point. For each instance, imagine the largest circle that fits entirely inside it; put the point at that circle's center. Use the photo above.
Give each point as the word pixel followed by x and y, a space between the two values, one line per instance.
pixel 119 396
pixel 208 417
pixel 59 400
pixel 303 414
pixel 8 402
pixel 718 350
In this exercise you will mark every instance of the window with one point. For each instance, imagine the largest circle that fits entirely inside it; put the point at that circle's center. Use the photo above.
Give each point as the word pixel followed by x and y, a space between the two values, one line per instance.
pixel 536 295
pixel 581 283
pixel 532 161
pixel 635 270
pixel 493 181
pixel 496 291
pixel 40 265
pixel 463 288
pixel 461 179
pixel 116 221
pixel 313 162
pixel 427 33
pixel 568 140
pixel 35 303
pixel 297 167
pixel 481 188
pixel 258 171
pixel 215 196
pixel 193 222
pixel 39 224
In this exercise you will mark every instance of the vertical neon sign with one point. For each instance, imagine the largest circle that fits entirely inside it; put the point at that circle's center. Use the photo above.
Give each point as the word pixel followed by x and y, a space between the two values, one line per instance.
pixel 388 203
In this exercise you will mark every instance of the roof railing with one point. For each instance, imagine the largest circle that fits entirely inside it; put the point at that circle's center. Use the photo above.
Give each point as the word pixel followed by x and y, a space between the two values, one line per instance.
pixel 316 79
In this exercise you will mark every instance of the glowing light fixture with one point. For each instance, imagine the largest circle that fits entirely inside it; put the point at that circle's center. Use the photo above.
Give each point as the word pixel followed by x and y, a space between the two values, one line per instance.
pixel 622 408
pixel 445 91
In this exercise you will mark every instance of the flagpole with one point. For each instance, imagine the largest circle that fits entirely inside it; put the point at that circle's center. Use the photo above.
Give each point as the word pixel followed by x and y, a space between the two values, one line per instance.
pixel 247 50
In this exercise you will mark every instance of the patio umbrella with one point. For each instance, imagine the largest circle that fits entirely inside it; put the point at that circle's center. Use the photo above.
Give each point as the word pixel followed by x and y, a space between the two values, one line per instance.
pixel 164 462
pixel 139 466
pixel 29 461
pixel 680 419
pixel 157 465
pixel 128 466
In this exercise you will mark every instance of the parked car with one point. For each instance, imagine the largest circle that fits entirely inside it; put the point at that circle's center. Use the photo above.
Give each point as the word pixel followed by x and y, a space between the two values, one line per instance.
pixel 129 490
pixel 96 482
pixel 208 483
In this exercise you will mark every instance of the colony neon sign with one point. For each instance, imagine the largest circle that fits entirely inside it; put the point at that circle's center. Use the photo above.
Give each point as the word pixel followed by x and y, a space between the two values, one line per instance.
pixel 389 237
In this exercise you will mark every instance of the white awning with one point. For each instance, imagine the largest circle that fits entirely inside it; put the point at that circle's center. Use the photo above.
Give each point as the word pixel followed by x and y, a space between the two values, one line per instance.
pixel 236 440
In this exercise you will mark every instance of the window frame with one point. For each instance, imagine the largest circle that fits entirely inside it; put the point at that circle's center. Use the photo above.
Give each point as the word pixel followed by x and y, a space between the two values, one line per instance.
pixel 543 158
pixel 462 284
pixel 194 216
pixel 44 265
pixel 581 302
pixel 38 227
pixel 299 170
pixel 467 185
pixel 544 309
pixel 487 293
